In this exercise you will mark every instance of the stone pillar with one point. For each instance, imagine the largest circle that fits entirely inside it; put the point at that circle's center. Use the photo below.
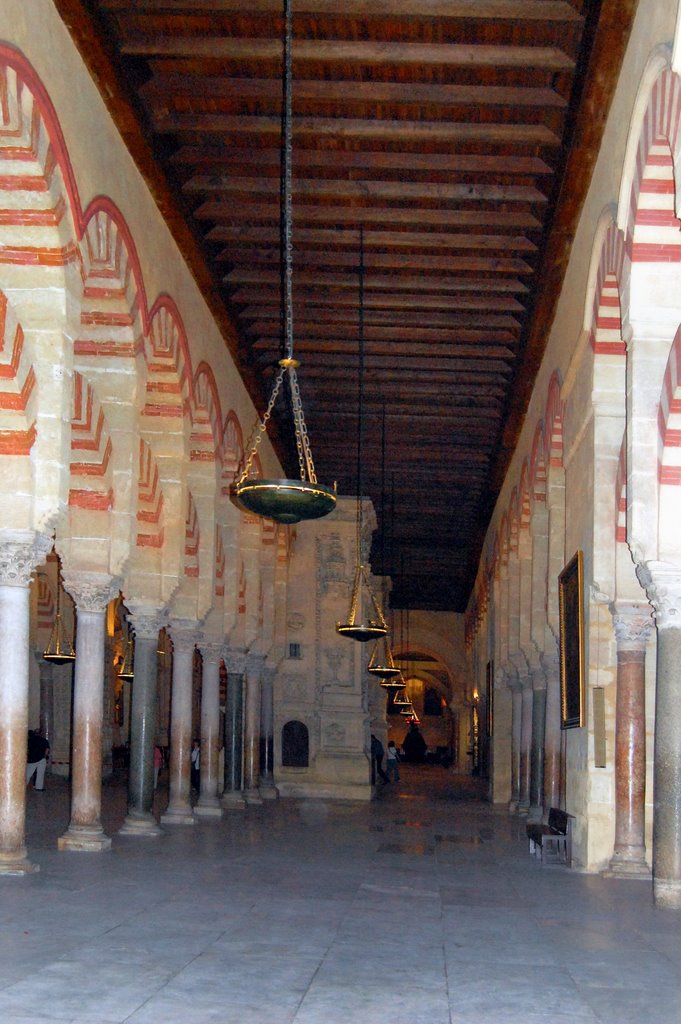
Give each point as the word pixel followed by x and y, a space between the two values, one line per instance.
pixel 552 732
pixel 20 552
pixel 663 586
pixel 254 671
pixel 91 593
pixel 232 796
pixel 140 820
pixel 179 811
pixel 516 726
pixel 633 626
pixel 46 695
pixel 525 744
pixel 268 790
pixel 536 810
pixel 208 803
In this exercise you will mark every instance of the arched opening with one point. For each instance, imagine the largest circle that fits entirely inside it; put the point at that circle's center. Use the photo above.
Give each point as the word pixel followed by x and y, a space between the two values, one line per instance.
pixel 295 745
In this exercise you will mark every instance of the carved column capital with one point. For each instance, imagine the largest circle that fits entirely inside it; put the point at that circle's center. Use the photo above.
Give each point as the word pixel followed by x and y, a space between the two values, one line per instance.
pixel 211 650
pixel 662 584
pixel 147 622
pixel 235 660
pixel 183 634
pixel 633 623
pixel 91 591
pixel 20 552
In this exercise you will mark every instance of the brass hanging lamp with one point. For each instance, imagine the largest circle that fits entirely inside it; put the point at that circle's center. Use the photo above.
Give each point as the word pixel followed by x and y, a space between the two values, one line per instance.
pixel 59 650
pixel 373 628
pixel 128 664
pixel 381 663
pixel 285 501
pixel 401 699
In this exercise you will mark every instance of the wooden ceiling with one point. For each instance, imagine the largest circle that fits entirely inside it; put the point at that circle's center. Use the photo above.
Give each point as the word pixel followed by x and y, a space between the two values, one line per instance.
pixel 461 135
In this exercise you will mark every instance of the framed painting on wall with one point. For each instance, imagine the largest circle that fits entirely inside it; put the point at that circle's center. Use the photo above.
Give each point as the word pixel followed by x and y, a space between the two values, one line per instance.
pixel 572 674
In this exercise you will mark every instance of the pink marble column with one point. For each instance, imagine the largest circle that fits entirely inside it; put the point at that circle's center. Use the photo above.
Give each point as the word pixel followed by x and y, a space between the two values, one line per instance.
pixel 91 593
pixel 633 626
pixel 20 552
pixel 179 811
pixel 209 804
pixel 254 669
pixel 552 732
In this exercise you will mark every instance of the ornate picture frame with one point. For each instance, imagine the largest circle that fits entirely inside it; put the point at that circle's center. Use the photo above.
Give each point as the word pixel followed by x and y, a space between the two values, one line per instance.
pixel 572 669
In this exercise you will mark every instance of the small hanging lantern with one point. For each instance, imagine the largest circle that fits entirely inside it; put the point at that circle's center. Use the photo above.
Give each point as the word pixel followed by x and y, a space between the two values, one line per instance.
pixel 60 648
pixel 381 662
pixel 128 665
pixel 285 501
pixel 401 699
pixel 408 712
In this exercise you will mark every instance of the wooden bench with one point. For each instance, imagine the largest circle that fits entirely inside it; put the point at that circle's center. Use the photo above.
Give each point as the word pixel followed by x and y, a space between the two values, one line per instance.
pixel 553 841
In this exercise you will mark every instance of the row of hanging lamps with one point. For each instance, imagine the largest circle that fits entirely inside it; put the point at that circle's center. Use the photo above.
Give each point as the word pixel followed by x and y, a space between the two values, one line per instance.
pixel 285 501
pixel 128 664
pixel 373 628
pixel 381 663
pixel 59 650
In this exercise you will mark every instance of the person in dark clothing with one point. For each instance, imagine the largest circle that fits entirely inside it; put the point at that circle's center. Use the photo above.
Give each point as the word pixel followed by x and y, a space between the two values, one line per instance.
pixel 36 758
pixel 414 745
pixel 377 753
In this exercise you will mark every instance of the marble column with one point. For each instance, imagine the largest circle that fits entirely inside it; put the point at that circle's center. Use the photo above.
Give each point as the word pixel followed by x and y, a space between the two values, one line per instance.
pixel 633 626
pixel 140 820
pixel 179 810
pixel 20 552
pixel 663 586
pixel 254 672
pixel 525 744
pixel 208 804
pixel 232 796
pixel 516 727
pixel 91 593
pixel 552 732
pixel 268 790
pixel 536 810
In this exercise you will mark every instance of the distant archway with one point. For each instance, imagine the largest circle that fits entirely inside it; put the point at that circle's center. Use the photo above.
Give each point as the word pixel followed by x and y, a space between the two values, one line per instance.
pixel 295 745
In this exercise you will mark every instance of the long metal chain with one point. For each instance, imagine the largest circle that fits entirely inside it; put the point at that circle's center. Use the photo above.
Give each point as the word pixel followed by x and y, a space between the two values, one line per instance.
pixel 261 428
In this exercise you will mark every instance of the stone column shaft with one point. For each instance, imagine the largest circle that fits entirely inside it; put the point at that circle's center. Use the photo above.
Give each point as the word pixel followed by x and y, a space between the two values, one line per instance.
pixel 46 696
pixel 179 810
pixel 209 804
pixel 268 790
pixel 552 734
pixel 537 755
pixel 525 748
pixel 140 820
pixel 85 830
pixel 252 732
pixel 516 726
pixel 232 795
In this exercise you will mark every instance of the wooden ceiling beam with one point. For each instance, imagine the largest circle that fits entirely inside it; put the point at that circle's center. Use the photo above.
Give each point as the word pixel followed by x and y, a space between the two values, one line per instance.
pixel 378 300
pixel 234 212
pixel 328 280
pixel 377 239
pixel 171 84
pixel 379 316
pixel 269 335
pixel 355 128
pixel 428 263
pixel 350 51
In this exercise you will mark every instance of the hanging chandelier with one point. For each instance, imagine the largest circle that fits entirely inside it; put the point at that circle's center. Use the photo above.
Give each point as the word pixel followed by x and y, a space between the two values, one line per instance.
pixel 285 501
pixel 128 665
pixel 401 699
pixel 373 628
pixel 381 662
pixel 59 650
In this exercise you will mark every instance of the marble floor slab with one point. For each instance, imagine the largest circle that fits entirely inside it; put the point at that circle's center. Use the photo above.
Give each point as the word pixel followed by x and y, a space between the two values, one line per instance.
pixel 422 907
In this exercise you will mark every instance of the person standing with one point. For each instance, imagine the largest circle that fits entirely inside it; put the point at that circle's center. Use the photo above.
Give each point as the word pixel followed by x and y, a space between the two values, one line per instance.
pixel 196 766
pixel 38 750
pixel 392 762
pixel 377 754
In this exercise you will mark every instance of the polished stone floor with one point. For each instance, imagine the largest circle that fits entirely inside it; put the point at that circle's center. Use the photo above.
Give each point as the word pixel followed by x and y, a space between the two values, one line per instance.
pixel 414 909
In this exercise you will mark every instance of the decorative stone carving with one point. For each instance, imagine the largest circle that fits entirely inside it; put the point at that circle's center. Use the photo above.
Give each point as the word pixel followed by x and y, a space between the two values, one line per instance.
pixel 331 561
pixel 183 636
pixel 334 735
pixel 20 552
pixel 662 584
pixel 296 621
pixel 147 622
pixel 210 650
pixel 633 625
pixel 338 668
pixel 294 689
pixel 91 591
pixel 235 660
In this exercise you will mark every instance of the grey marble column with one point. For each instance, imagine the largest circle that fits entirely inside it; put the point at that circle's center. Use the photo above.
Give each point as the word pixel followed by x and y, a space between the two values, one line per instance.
pixel 525 744
pixel 633 625
pixel 232 796
pixel 663 586
pixel 254 671
pixel 268 790
pixel 208 804
pixel 91 593
pixel 552 732
pixel 179 810
pixel 140 819
pixel 536 810
pixel 516 729
pixel 20 552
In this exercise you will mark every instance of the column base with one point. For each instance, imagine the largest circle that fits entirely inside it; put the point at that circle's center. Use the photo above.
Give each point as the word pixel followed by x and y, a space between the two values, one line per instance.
pixel 208 808
pixel 512 806
pixel 17 864
pixel 667 893
pixel 535 813
pixel 628 865
pixel 85 839
pixel 233 801
pixel 252 797
pixel 180 815
pixel 522 809
pixel 269 791
pixel 136 826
